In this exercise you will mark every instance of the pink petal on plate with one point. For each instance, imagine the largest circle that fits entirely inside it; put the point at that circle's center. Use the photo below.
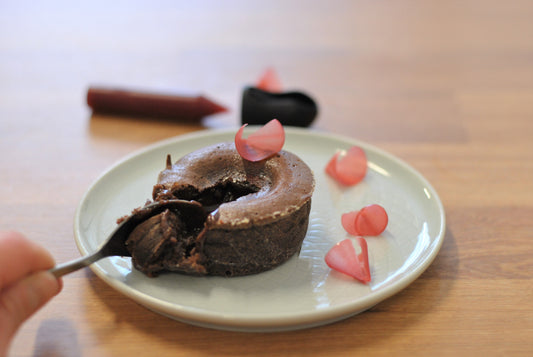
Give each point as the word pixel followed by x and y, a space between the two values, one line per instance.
pixel 343 258
pixel 371 220
pixel 348 222
pixel 331 167
pixel 351 166
pixel 264 143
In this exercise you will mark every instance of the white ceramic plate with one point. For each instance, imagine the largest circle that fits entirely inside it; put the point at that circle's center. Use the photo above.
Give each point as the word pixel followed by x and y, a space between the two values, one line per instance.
pixel 301 293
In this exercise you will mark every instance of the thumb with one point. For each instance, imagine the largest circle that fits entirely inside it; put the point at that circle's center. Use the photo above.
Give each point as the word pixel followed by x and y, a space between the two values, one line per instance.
pixel 20 300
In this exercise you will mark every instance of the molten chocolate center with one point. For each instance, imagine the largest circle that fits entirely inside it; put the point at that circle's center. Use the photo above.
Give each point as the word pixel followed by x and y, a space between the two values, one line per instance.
pixel 211 198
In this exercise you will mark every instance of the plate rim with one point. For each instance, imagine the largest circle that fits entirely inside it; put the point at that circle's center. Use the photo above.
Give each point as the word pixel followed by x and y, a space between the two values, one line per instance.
pixel 252 322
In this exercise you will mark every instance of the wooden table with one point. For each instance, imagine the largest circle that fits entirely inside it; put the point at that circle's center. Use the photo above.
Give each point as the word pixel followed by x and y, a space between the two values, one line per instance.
pixel 446 86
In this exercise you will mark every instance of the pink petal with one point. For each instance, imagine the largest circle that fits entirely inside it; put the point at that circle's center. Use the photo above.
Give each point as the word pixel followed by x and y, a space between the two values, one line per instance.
pixel 362 260
pixel 348 167
pixel 342 257
pixel 348 222
pixel 262 144
pixel 371 220
pixel 331 167
pixel 269 81
pixel 351 166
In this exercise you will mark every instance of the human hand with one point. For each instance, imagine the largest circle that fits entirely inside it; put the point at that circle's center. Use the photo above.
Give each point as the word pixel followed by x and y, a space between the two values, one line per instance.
pixel 25 283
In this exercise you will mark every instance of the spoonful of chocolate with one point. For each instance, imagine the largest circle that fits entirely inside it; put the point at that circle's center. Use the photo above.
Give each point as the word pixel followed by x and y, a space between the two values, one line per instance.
pixel 117 243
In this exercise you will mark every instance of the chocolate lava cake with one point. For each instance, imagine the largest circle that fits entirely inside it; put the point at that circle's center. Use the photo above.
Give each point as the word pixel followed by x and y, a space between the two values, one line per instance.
pixel 245 217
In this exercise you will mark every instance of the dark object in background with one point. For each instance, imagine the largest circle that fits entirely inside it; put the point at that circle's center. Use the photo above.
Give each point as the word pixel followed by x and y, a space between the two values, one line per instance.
pixel 290 108
pixel 154 105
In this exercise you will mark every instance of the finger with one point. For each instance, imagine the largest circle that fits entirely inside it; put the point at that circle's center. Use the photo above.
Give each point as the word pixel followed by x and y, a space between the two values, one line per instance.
pixel 20 300
pixel 20 257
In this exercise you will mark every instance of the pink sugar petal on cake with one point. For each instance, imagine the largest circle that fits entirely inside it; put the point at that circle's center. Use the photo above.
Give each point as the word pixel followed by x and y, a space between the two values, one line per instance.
pixel 371 220
pixel 263 143
pixel 343 258
pixel 269 81
pixel 351 166
pixel 270 137
pixel 348 222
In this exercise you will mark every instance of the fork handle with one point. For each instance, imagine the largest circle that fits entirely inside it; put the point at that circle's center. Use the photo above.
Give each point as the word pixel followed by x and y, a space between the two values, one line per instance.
pixel 76 264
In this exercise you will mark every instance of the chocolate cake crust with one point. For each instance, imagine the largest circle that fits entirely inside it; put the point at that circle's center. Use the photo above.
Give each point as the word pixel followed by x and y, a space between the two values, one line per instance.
pixel 255 249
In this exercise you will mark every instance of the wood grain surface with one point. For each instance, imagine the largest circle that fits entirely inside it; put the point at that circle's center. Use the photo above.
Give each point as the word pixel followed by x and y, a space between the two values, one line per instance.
pixel 445 85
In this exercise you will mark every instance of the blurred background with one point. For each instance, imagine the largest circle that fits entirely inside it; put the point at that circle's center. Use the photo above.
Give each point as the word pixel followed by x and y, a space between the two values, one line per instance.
pixel 362 61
